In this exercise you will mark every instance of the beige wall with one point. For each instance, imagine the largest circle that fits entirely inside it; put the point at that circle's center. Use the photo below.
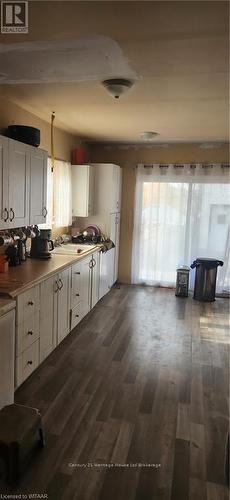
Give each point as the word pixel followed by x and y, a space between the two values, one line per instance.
pixel 11 113
pixel 128 158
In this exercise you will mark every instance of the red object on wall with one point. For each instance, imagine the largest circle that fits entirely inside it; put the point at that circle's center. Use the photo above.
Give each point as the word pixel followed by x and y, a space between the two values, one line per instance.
pixel 79 156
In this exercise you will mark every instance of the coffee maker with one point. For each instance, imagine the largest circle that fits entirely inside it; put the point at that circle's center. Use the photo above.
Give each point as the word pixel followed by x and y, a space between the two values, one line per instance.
pixel 42 245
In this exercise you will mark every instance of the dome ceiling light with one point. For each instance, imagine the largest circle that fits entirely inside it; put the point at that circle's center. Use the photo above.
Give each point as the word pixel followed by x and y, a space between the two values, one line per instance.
pixel 148 136
pixel 117 86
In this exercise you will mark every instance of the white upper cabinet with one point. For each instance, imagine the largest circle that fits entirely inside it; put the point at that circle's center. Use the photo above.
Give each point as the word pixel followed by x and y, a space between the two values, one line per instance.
pixel 18 184
pixel 38 186
pixel 4 192
pixel 82 190
pixel 23 184
pixel 107 188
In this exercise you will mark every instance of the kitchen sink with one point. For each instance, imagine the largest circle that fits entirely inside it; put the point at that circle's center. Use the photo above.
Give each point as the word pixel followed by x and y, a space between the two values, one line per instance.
pixel 73 249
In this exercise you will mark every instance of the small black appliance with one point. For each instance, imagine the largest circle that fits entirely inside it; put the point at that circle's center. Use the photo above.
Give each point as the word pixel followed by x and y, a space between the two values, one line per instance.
pixel 22 133
pixel 42 245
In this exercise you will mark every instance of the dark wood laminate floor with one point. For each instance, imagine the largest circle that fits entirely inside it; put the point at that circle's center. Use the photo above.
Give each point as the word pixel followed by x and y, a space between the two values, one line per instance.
pixel 142 380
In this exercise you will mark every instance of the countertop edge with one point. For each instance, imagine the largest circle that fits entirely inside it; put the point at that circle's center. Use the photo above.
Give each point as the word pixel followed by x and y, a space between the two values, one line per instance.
pixel 6 305
pixel 23 288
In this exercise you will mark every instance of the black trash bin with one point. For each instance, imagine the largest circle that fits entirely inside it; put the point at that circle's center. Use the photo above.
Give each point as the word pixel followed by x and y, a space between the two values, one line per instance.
pixel 205 279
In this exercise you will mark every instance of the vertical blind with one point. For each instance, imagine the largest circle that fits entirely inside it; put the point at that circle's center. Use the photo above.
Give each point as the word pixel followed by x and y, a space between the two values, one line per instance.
pixel 181 213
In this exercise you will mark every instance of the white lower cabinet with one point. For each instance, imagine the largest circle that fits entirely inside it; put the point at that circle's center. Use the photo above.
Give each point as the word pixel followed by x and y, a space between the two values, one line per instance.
pixel 76 315
pixel 47 312
pixel 107 260
pixel 80 290
pixel 95 279
pixel 54 311
pixel 63 304
pixel 27 362
pixel 27 333
pixel 7 334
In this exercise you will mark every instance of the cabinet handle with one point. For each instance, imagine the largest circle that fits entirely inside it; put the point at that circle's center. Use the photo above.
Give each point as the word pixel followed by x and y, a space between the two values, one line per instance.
pixel 77 294
pixel 76 315
pixel 30 332
pixel 94 262
pixel 6 214
pixel 56 290
pixel 90 264
pixel 13 215
pixel 29 362
pixel 30 303
pixel 61 284
pixel 44 212
pixel 77 272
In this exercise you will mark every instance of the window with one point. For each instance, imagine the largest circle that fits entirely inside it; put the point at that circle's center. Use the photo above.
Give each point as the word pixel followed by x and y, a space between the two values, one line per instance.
pixel 59 203
pixel 178 221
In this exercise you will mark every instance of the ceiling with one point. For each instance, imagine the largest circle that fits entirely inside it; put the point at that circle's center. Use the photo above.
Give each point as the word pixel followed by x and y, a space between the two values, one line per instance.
pixel 176 52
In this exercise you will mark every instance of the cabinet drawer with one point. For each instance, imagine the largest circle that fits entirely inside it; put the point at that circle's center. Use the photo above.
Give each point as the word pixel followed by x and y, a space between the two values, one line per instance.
pixel 27 362
pixel 76 291
pixel 28 304
pixel 76 315
pixel 26 333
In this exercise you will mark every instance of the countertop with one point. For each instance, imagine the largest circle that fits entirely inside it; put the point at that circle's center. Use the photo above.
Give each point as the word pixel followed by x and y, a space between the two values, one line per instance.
pixel 32 272
pixel 6 305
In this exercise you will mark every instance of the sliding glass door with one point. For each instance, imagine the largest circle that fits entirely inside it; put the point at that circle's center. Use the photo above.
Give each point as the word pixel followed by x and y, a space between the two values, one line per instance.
pixel 176 222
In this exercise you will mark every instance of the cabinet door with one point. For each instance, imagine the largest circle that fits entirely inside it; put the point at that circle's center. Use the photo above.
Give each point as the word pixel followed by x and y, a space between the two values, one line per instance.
pixel 18 184
pixel 48 314
pixel 116 190
pixel 76 288
pixel 63 306
pixel 95 279
pixel 115 237
pixel 82 190
pixel 117 241
pixel 7 359
pixel 86 275
pixel 38 186
pixel 4 191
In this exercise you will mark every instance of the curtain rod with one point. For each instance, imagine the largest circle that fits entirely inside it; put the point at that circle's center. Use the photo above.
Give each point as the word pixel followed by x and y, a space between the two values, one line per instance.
pixel 183 165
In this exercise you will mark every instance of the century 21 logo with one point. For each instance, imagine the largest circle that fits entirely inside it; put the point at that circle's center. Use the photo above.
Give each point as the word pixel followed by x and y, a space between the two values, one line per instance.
pixel 14 16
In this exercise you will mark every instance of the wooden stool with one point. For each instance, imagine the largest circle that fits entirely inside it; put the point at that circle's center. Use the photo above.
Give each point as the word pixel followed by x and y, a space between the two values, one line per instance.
pixel 19 425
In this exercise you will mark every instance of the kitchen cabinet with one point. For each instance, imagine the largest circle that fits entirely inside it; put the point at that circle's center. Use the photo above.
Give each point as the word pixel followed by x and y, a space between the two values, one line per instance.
pixel 107 192
pixel 80 290
pixel 27 333
pixel 107 260
pixel 27 362
pixel 23 184
pixel 48 316
pixel 82 190
pixel 18 184
pixel 38 185
pixel 115 237
pixel 4 192
pixel 95 279
pixel 84 287
pixel 46 313
pixel 54 311
pixel 7 335
pixel 63 304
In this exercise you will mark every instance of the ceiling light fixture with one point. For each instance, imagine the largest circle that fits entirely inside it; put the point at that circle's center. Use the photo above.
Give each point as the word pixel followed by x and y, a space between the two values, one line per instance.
pixel 117 86
pixel 148 136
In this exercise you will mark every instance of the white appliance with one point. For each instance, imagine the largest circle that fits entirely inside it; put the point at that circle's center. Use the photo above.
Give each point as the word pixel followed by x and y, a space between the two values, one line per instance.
pixel 7 333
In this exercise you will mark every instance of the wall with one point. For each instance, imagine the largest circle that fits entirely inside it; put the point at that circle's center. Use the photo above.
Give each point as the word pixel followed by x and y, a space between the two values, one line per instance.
pixel 11 113
pixel 128 158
